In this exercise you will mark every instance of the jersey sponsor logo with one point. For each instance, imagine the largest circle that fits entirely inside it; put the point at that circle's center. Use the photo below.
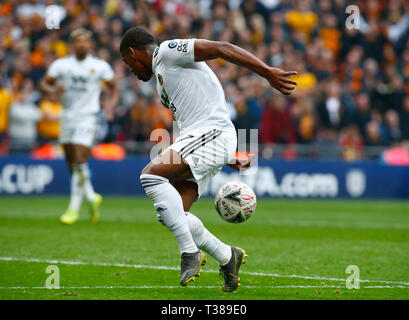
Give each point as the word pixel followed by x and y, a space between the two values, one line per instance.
pixel 160 79
pixel 172 44
pixel 182 46
pixel 78 79
pixel 78 83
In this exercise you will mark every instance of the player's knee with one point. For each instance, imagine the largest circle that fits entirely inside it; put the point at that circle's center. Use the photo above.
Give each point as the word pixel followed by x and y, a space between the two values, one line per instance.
pixel 145 170
pixel 80 154
pixel 152 184
pixel 154 170
pixel 149 169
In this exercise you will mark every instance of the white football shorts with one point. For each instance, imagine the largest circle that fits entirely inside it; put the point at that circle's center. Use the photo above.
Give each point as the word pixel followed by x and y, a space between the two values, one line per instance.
pixel 81 131
pixel 206 151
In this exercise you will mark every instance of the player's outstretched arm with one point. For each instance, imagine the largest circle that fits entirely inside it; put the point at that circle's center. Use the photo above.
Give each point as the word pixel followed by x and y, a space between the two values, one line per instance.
pixel 278 79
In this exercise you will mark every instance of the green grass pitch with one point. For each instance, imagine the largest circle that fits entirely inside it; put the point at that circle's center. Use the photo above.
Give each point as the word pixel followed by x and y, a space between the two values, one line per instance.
pixel 298 249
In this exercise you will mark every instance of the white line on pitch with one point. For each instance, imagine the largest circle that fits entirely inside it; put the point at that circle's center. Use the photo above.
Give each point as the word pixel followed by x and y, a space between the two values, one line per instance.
pixel 201 287
pixel 139 266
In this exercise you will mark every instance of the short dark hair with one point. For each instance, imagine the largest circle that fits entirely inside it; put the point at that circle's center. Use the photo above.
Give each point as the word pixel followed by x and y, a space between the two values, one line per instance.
pixel 137 38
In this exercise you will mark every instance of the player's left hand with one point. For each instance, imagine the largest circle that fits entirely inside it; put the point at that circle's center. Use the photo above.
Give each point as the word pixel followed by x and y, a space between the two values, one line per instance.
pixel 240 164
pixel 279 79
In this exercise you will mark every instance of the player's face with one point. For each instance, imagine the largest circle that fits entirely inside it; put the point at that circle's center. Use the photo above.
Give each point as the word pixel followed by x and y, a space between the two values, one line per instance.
pixel 140 63
pixel 82 44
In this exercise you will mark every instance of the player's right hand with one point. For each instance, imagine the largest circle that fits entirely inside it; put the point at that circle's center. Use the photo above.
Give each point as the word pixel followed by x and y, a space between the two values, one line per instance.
pixel 280 80
pixel 240 164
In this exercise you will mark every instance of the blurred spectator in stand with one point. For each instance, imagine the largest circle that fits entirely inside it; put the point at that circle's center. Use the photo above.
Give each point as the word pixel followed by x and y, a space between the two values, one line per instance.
pixel 362 113
pixel 403 68
pixel 304 120
pixel 243 119
pixel 247 110
pixel 373 134
pixel 332 111
pixel 404 118
pixel 23 118
pixel 393 131
pixel 302 18
pixel 351 143
pixel 397 92
pixel 373 82
pixel 49 125
pixel 373 43
pixel 330 34
pixel 350 38
pixel 276 124
pixel 249 89
pixel 136 129
pixel 379 118
pixel 351 70
pixel 5 102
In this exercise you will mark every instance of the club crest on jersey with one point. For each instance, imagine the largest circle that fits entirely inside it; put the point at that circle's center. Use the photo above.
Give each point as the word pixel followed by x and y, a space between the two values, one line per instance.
pixel 172 44
pixel 92 71
pixel 160 79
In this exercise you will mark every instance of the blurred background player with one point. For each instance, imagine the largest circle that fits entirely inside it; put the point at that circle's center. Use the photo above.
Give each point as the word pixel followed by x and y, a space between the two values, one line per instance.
pixel 77 78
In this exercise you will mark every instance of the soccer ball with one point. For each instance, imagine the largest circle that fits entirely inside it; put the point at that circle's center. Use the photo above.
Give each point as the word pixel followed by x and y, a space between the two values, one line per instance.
pixel 235 202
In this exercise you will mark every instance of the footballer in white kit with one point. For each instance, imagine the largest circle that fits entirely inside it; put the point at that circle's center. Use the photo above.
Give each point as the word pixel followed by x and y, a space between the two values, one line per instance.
pixel 80 101
pixel 196 98
pixel 78 78
pixel 178 176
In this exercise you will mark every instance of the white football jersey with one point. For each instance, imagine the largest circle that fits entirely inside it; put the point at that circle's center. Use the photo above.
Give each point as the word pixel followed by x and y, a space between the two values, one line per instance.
pixel 189 89
pixel 81 81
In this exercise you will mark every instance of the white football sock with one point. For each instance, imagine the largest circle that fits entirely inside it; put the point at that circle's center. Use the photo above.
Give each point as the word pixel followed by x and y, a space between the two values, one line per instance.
pixel 77 189
pixel 168 202
pixel 86 180
pixel 89 191
pixel 207 241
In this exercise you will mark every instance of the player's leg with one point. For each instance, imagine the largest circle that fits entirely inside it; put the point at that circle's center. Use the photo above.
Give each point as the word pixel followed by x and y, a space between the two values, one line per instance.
pixel 205 160
pixel 71 215
pixel 82 153
pixel 77 156
pixel 229 258
pixel 77 137
pixel 203 238
pixel 167 201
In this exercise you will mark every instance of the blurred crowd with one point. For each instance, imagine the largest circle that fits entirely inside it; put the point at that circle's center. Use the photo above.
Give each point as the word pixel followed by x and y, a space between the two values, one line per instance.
pixel 353 78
